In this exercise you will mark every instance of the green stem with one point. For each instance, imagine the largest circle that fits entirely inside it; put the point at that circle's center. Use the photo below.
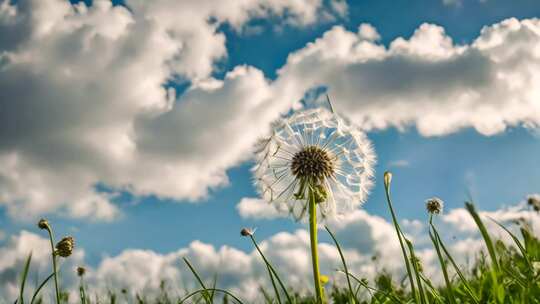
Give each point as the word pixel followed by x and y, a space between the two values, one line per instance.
pixel 57 291
pixel 313 238
pixel 399 233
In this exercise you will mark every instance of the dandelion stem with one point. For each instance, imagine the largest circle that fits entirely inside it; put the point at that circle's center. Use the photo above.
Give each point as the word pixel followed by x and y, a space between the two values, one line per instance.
pixel 313 238
pixel 56 289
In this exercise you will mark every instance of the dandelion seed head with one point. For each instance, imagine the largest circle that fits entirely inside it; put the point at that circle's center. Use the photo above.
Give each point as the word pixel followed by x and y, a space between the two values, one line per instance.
pixel 64 248
pixel 314 150
pixel 434 205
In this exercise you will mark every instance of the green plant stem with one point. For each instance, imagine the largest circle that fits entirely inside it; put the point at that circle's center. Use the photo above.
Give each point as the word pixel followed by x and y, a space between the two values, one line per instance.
pixel 313 239
pixel 56 289
pixel 398 231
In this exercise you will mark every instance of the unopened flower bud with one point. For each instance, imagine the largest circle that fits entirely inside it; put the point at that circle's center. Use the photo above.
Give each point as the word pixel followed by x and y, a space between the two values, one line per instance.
pixel 81 271
pixel 43 224
pixel 387 178
pixel 246 232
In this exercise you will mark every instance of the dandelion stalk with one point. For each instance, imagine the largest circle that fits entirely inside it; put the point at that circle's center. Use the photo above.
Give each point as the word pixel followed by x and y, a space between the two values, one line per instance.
pixel 313 243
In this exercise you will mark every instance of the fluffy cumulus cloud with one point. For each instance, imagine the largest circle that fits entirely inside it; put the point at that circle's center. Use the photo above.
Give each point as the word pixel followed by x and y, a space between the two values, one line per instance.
pixel 84 99
pixel 369 244
pixel 84 104
pixel 427 80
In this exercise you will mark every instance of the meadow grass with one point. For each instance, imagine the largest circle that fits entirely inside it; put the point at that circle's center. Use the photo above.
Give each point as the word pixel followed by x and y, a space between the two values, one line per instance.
pixel 507 274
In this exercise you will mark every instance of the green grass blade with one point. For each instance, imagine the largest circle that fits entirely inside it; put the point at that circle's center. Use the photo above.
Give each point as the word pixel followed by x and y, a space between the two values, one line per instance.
pixel 518 244
pixel 352 297
pixel 456 268
pixel 205 294
pixel 34 296
pixel 416 271
pixel 202 291
pixel 23 279
pixel 289 300
pixel 485 235
pixel 276 290
pixel 449 288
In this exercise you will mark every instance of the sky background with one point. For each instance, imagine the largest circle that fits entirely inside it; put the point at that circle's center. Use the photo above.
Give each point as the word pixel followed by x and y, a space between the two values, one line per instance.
pixel 497 166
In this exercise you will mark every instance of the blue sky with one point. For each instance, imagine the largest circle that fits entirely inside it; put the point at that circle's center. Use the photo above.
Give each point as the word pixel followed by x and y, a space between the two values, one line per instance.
pixel 497 169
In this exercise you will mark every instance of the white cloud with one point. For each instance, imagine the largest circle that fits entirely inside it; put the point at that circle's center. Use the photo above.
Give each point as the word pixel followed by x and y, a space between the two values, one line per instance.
pixel 83 100
pixel 255 208
pixel 426 80
pixel 458 3
pixel 83 103
pixel 400 163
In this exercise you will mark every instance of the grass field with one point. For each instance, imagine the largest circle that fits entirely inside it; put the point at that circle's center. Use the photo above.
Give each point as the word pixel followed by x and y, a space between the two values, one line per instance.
pixel 505 274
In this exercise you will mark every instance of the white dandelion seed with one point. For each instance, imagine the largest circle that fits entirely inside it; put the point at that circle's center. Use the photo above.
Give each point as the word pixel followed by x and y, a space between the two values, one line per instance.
pixel 434 205
pixel 318 150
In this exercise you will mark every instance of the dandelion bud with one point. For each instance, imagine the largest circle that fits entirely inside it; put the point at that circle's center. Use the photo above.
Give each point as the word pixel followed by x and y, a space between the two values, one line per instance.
pixel 246 232
pixel 43 224
pixel 387 178
pixel 64 248
pixel 324 279
pixel 81 271
pixel 434 205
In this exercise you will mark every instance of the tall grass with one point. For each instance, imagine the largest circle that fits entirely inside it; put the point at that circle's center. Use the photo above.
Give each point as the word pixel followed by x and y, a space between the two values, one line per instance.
pixel 508 274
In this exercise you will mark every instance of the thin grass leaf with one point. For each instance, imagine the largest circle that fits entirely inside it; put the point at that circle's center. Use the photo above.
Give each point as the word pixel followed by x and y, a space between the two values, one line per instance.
pixel 205 294
pixel 352 297
pixel 518 243
pixel 24 276
pixel 416 271
pixel 289 300
pixel 485 235
pixel 202 291
pixel 449 288
pixel 276 290
pixel 36 292
pixel 456 268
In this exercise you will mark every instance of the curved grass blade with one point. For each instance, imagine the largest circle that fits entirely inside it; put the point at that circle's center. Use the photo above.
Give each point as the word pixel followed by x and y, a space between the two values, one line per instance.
pixel 449 288
pixel 289 300
pixel 276 291
pixel 205 293
pixel 24 276
pixel 202 291
pixel 34 297
pixel 485 235
pixel 351 294
pixel 518 243
pixel 456 268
